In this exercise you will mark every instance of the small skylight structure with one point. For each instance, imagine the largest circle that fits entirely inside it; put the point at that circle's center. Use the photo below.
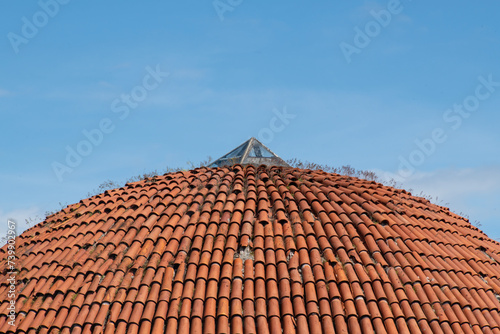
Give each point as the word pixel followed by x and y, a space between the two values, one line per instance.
pixel 251 152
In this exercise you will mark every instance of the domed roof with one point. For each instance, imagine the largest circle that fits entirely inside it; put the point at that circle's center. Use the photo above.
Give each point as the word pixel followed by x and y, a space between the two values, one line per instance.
pixel 254 250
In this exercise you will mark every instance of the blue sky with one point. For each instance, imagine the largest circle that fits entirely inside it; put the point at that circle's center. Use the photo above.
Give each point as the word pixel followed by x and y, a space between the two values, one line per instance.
pixel 409 89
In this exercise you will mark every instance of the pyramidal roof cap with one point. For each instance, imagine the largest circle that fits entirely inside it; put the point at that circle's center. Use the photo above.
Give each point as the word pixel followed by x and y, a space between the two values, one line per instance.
pixel 251 152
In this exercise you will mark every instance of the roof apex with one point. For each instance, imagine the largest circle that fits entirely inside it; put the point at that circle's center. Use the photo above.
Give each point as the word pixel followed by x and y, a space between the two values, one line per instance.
pixel 251 152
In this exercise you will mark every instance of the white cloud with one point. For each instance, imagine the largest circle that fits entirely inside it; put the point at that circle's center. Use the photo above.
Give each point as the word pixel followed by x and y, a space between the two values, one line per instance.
pixel 189 74
pixel 105 84
pixel 452 183
pixel 474 192
pixel 33 214
pixel 404 18
pixel 4 92
pixel 122 66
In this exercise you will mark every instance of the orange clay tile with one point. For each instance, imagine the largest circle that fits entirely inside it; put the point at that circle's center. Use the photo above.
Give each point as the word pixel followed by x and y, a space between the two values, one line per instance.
pixel 254 250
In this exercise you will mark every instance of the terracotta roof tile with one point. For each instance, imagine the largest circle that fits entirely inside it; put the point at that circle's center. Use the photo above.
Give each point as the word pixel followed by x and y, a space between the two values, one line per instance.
pixel 255 250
